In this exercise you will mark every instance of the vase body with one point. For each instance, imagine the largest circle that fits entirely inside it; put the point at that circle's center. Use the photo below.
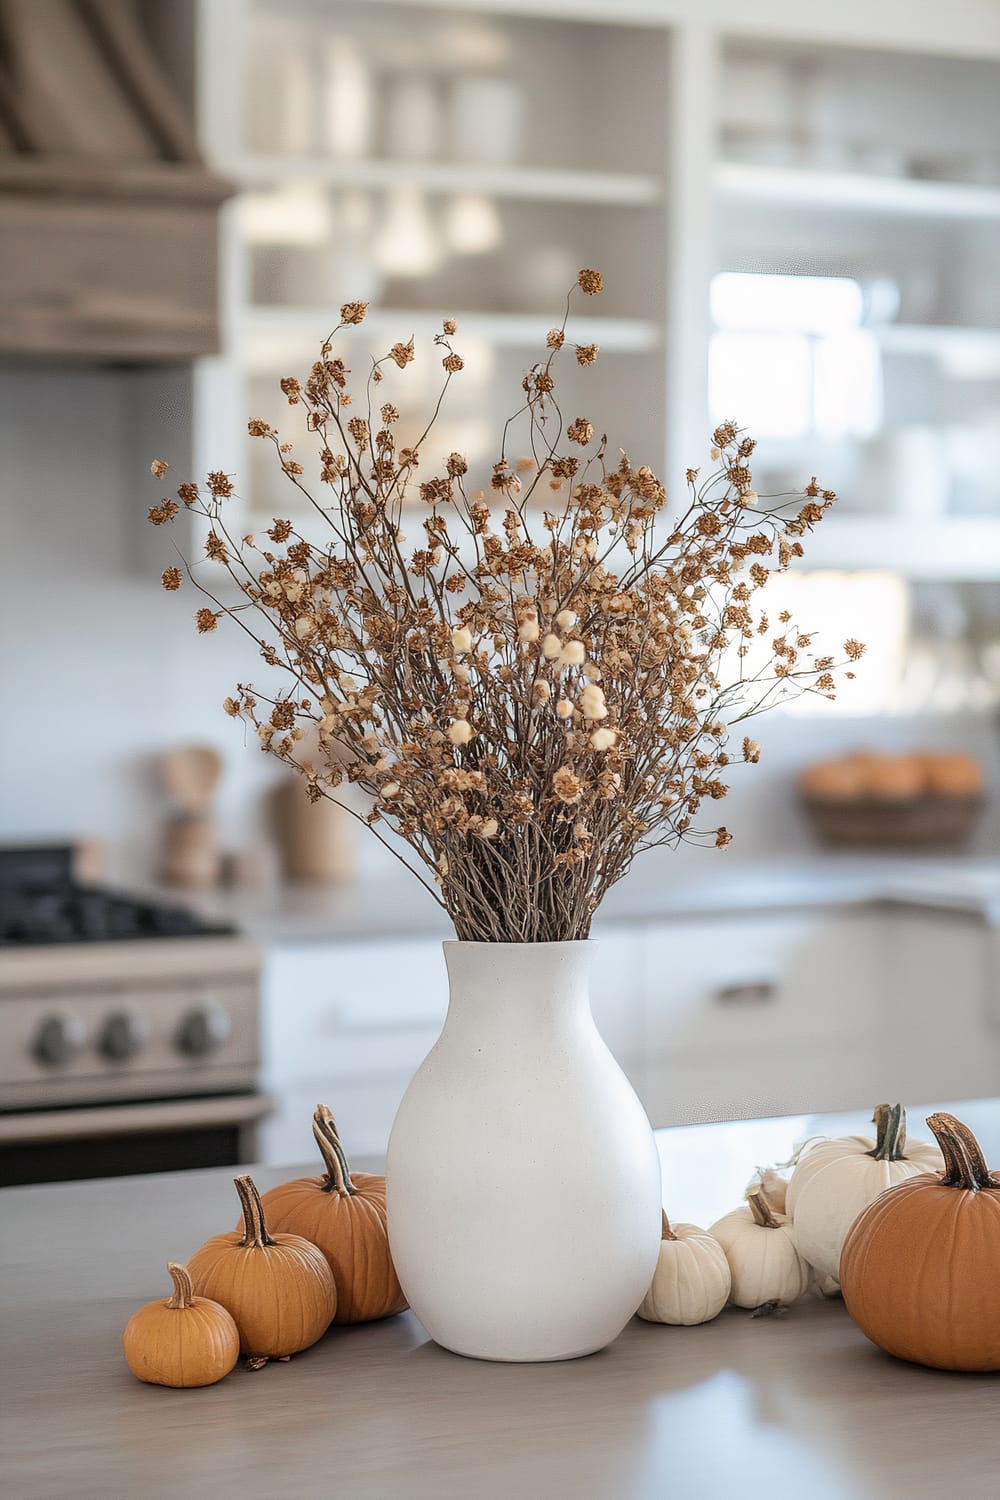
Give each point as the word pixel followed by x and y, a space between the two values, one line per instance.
pixel 523 1180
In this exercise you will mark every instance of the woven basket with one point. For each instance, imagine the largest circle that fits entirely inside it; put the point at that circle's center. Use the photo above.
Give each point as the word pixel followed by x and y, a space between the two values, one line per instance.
pixel 888 820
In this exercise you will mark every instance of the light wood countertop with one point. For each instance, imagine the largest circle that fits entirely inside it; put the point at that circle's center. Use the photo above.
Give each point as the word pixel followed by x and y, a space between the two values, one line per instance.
pixel 747 1407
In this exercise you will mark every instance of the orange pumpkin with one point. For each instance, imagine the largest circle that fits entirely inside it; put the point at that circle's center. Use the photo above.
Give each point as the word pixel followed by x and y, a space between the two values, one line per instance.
pixel 344 1214
pixel 921 1264
pixel 278 1288
pixel 181 1340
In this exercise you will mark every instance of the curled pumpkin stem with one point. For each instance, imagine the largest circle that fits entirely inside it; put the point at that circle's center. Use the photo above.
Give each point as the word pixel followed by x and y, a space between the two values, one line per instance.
pixel 667 1233
pixel 890 1133
pixel 964 1163
pixel 338 1173
pixel 254 1229
pixel 183 1288
pixel 760 1207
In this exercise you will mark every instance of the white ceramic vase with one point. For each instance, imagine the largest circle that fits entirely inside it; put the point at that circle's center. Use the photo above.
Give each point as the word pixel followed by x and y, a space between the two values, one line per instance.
pixel 524 1198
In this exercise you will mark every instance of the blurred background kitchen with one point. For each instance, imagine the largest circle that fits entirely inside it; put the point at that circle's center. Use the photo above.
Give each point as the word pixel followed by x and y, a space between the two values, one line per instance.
pixel 797 213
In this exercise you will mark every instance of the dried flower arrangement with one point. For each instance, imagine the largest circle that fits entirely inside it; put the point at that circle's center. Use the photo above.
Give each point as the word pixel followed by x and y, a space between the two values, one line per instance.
pixel 527 704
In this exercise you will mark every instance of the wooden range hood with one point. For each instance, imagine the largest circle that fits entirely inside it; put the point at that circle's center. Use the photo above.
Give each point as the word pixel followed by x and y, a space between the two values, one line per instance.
pixel 108 218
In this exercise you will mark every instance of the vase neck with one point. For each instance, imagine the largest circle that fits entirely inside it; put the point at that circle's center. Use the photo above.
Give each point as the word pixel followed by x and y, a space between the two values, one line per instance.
pixel 543 984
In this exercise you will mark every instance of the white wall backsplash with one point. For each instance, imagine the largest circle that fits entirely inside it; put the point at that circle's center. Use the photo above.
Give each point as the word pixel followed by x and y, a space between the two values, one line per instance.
pixel 102 671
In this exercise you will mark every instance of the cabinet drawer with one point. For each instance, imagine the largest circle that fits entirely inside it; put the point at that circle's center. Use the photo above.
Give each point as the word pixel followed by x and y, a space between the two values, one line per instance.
pixel 786 1080
pixel 334 1009
pixel 750 984
pixel 616 980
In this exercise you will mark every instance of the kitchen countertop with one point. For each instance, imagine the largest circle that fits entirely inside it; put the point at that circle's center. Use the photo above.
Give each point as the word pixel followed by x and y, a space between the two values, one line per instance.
pixel 800 1403
pixel 659 888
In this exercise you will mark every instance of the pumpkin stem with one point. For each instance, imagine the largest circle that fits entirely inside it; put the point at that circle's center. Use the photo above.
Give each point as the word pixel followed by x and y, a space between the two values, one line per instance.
pixel 760 1207
pixel 964 1162
pixel 183 1288
pixel 890 1132
pixel 668 1233
pixel 338 1173
pixel 255 1233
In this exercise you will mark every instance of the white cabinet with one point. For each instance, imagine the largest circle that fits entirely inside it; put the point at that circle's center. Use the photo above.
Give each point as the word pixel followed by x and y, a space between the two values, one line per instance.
pixel 712 1018
pixel 939 996
pixel 346 1024
pixel 760 1014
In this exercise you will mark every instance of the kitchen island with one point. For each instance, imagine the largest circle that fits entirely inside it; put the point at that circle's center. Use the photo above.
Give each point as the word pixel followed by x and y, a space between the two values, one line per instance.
pixel 745 1406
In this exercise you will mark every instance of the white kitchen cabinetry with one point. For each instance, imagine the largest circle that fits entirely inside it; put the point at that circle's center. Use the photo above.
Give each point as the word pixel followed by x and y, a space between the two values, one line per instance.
pixel 347 1024
pixel 465 158
pixel 762 1015
pixel 941 1000
pixel 768 1015
pixel 712 1018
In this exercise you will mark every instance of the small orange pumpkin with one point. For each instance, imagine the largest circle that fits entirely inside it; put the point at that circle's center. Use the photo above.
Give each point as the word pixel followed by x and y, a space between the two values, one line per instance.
pixel 279 1288
pixel 921 1264
pixel 345 1216
pixel 181 1340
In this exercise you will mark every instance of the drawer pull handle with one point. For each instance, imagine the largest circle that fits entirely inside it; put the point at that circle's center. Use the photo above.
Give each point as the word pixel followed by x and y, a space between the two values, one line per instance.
pixel 762 992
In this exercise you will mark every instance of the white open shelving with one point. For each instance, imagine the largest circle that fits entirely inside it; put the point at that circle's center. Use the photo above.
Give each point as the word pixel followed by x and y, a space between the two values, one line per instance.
pixel 933 548
pixel 275 328
pixel 526 184
pixel 634 175
pixel 935 338
pixel 869 193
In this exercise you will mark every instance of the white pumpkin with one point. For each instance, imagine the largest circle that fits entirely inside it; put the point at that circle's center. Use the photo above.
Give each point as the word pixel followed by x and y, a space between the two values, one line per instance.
pixel 691 1281
pixel 835 1179
pixel 764 1260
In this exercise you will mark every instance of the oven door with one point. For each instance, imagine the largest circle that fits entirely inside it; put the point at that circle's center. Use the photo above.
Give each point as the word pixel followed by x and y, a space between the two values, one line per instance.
pixel 168 1135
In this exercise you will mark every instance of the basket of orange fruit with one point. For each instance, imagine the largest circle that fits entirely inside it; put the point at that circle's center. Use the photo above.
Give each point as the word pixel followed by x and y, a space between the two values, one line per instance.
pixel 922 797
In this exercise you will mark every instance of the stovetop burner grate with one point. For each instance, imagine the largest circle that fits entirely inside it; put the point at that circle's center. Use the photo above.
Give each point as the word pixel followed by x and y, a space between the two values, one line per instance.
pixel 41 903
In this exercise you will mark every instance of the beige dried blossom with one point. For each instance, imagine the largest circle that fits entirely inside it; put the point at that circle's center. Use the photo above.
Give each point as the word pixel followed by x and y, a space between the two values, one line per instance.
pixel 402 354
pixel 460 732
pixel 158 468
pixel 573 654
pixel 160 514
pixel 171 578
pixel 567 785
pixel 590 282
pixel 592 702
pixel 353 312
pixel 528 695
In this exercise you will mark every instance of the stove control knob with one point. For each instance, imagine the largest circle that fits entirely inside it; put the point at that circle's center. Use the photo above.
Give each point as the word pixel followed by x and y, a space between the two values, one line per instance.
pixel 123 1036
pixel 58 1040
pixel 203 1030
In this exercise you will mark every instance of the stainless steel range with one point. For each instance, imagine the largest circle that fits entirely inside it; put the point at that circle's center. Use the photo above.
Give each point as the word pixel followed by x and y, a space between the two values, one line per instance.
pixel 129 1030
